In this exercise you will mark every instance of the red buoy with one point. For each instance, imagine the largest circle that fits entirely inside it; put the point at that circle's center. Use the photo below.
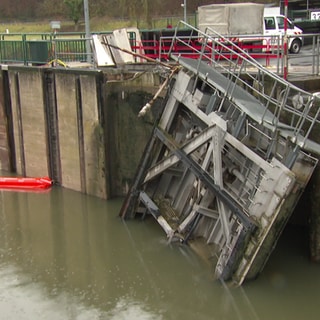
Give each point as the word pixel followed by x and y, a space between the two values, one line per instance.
pixel 25 183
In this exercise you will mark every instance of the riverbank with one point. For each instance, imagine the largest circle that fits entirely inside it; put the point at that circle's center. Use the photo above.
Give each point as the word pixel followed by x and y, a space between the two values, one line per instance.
pixel 97 24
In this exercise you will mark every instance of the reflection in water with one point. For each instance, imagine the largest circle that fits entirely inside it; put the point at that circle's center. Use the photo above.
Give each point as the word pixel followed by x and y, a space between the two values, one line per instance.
pixel 34 302
pixel 64 255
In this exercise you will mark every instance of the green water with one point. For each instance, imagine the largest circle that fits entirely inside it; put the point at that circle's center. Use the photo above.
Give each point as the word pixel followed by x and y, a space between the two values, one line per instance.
pixel 64 255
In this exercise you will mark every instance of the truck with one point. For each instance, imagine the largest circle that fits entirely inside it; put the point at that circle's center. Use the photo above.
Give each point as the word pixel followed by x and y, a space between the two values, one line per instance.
pixel 249 23
pixel 274 25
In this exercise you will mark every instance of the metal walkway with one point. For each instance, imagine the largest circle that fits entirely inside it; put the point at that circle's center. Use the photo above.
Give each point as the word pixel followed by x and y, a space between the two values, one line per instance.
pixel 228 160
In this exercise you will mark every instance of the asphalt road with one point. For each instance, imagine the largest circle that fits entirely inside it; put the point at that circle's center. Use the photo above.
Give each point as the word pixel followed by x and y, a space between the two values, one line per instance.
pixel 306 56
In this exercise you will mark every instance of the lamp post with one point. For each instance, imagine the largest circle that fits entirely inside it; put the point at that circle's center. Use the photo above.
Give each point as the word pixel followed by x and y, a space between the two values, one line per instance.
pixel 87 29
pixel 184 6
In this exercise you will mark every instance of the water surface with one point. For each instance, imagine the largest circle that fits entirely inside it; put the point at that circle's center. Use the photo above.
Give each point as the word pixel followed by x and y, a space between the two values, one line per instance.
pixel 65 255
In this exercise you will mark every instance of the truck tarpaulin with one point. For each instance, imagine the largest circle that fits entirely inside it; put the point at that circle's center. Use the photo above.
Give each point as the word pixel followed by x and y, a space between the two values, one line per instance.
pixel 232 19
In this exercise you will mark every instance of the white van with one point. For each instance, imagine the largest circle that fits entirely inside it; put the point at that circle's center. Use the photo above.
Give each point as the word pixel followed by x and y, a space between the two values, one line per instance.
pixel 274 26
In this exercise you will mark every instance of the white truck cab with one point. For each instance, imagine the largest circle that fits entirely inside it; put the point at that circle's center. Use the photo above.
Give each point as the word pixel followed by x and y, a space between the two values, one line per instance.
pixel 266 25
pixel 274 26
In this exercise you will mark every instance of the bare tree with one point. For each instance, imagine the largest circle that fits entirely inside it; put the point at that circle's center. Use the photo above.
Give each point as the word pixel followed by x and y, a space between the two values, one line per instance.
pixel 52 9
pixel 75 8
pixel 138 10
pixel 15 9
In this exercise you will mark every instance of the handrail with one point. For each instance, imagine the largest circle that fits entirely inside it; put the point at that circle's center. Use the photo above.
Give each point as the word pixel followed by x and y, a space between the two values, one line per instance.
pixel 278 105
pixel 15 48
pixel 41 48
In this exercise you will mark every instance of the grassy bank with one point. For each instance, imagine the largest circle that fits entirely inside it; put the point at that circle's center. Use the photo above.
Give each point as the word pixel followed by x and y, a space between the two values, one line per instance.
pixel 96 25
pixel 66 26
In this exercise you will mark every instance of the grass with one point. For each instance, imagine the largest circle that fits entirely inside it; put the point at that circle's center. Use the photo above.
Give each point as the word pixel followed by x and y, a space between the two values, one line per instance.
pixel 97 24
pixel 26 27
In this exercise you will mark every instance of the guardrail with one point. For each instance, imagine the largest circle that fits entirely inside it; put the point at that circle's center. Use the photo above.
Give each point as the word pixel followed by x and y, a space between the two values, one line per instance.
pixel 307 62
pixel 287 109
pixel 262 48
pixel 38 48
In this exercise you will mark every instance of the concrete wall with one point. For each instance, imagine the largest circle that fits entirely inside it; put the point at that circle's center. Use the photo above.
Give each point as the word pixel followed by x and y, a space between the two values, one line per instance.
pixel 79 127
pixel 29 123
pixel 4 138
pixel 130 133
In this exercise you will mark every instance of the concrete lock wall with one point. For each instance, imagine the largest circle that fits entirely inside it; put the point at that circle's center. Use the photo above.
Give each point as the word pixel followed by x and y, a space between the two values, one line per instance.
pixel 79 127
pixel 82 129
pixel 126 141
pixel 77 114
pixel 29 123
pixel 4 137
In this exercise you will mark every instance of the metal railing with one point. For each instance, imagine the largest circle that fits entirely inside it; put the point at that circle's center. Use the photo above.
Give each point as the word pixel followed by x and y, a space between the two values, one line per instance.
pixel 41 48
pixel 279 106
pixel 307 63
pixel 267 50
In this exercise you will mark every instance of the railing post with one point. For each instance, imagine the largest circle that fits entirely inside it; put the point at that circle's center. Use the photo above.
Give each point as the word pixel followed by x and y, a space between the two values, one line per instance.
pixel 318 52
pixel 25 49
pixel 87 27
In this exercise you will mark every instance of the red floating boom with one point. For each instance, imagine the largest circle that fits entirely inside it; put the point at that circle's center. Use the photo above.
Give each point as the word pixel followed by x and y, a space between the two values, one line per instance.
pixel 25 183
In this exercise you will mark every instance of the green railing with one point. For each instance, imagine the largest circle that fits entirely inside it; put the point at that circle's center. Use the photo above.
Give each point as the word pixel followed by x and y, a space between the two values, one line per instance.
pixel 42 48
